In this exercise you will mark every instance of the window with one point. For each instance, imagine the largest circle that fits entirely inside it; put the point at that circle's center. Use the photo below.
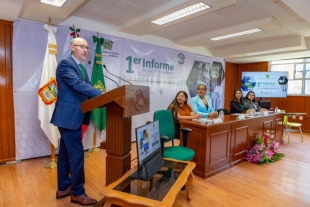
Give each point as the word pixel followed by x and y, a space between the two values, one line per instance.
pixel 298 74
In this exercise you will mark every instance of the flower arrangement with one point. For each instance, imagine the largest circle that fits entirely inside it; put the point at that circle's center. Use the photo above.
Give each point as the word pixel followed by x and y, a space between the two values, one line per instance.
pixel 265 150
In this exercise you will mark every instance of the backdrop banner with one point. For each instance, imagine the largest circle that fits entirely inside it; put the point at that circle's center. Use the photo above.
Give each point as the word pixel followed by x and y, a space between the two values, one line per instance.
pixel 166 71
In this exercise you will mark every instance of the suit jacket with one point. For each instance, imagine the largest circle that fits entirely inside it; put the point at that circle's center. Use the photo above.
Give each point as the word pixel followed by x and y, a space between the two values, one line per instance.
pixel 236 107
pixel 200 108
pixel 248 104
pixel 72 91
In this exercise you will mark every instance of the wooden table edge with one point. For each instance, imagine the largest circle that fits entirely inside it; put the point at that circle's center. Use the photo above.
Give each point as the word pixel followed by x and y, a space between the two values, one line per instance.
pixel 168 200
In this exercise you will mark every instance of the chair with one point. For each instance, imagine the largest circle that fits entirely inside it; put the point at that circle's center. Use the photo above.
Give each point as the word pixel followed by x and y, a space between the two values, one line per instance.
pixel 167 132
pixel 226 112
pixel 288 126
pixel 265 104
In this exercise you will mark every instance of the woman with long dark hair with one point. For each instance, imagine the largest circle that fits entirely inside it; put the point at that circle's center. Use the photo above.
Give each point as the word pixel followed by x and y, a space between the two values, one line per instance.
pixel 181 110
pixel 250 103
pixel 237 105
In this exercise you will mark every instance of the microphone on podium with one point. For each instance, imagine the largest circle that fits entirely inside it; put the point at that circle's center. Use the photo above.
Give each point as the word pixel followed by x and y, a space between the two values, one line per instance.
pixel 115 75
pixel 89 62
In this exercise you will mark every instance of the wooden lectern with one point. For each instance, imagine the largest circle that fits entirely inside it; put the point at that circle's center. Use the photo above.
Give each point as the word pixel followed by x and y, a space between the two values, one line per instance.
pixel 122 103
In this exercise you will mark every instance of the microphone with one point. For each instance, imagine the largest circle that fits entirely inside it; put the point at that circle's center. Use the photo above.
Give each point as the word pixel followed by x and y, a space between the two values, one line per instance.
pixel 89 62
pixel 115 75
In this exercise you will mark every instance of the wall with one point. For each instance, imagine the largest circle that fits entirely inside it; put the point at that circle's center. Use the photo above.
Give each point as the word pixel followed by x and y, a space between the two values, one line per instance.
pixel 7 130
pixel 232 82
pixel 289 104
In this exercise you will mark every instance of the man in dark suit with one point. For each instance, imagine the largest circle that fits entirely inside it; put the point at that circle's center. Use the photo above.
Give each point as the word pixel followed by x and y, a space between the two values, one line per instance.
pixel 73 89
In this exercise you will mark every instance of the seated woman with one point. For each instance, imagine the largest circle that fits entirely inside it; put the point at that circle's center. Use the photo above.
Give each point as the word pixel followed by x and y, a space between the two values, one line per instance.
pixel 201 104
pixel 249 102
pixel 236 105
pixel 181 110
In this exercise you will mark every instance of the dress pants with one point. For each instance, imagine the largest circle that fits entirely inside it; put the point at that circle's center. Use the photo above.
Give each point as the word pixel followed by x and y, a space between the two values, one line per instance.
pixel 70 166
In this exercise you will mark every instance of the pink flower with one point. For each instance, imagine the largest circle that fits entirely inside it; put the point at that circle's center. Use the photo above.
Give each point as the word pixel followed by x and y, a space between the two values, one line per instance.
pixel 276 145
pixel 270 153
pixel 264 150
pixel 266 141
pixel 260 146
pixel 266 135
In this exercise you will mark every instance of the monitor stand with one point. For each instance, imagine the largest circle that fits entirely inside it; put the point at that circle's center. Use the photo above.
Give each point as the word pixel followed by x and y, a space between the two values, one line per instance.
pixel 140 174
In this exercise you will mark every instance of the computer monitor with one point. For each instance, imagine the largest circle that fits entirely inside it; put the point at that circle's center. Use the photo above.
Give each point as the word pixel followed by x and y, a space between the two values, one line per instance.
pixel 148 142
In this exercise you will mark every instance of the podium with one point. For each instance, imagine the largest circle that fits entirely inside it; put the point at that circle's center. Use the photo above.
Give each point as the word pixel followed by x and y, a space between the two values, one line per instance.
pixel 122 103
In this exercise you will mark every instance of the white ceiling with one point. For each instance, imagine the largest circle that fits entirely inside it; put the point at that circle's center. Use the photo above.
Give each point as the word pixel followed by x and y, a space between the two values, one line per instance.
pixel 285 23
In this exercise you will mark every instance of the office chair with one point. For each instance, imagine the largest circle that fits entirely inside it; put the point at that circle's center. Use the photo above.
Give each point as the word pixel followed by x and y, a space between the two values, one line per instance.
pixel 226 112
pixel 167 134
pixel 288 126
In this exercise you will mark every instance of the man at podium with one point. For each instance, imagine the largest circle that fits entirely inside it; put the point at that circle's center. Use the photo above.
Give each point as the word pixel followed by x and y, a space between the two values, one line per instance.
pixel 73 88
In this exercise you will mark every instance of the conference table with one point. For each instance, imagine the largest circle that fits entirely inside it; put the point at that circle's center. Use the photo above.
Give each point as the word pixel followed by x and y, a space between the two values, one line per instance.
pixel 222 145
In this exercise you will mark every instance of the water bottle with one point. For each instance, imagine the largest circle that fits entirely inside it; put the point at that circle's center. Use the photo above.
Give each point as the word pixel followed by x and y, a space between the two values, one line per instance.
pixel 276 110
pixel 221 114
pixel 252 112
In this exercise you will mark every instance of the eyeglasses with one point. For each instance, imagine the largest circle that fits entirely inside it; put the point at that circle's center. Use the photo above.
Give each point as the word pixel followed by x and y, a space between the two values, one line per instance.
pixel 201 89
pixel 83 47
pixel 180 96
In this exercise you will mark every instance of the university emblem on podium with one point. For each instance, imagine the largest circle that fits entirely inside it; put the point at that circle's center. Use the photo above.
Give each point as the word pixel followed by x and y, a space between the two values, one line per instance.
pixel 48 92
pixel 139 100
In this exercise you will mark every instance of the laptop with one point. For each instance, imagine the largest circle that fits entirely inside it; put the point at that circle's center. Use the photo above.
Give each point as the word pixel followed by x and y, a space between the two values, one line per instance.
pixel 149 153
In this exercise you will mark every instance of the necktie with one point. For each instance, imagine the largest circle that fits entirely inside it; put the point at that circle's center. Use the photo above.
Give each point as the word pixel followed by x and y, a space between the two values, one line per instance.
pixel 83 71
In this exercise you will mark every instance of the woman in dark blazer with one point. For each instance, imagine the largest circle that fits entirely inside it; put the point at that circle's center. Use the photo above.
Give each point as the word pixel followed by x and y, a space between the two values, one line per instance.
pixel 237 105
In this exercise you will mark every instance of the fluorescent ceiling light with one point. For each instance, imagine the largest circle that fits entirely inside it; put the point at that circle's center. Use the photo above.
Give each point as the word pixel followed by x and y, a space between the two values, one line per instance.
pixel 236 34
pixel 181 13
pixel 58 3
pixel 267 52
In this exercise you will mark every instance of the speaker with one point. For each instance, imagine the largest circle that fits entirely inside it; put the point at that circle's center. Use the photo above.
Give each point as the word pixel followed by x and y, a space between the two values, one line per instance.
pixel 265 104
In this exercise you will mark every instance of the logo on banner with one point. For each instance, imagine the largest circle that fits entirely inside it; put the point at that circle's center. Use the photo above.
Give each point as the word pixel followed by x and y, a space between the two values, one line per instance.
pixel 181 58
pixel 107 44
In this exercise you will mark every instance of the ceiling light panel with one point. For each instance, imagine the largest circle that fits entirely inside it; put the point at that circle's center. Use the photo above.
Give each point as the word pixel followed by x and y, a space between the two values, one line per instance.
pixel 58 3
pixel 236 34
pixel 182 13
pixel 267 52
